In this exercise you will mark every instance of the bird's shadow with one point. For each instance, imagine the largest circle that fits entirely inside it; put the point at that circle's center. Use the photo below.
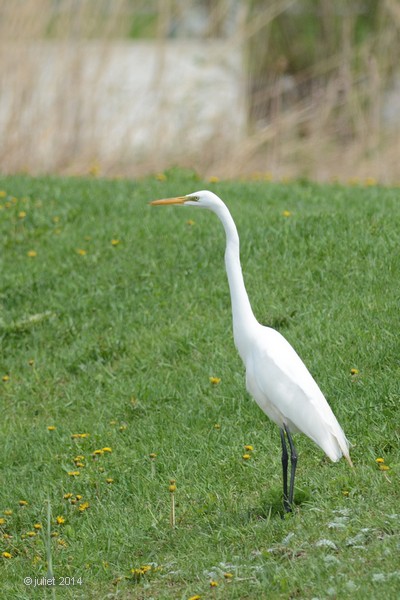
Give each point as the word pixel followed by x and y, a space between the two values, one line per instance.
pixel 272 505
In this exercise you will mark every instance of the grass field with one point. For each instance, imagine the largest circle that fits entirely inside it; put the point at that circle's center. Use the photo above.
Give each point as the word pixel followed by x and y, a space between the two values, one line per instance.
pixel 113 318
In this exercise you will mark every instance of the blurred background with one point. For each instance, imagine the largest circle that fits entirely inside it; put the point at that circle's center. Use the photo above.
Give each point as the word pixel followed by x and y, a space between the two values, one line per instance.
pixel 251 88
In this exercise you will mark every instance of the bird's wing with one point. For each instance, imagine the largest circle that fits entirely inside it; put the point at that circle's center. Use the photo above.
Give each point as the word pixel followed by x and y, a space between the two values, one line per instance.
pixel 284 388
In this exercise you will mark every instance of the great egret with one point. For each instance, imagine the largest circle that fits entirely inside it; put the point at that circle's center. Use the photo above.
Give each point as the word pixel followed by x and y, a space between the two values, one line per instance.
pixel 276 376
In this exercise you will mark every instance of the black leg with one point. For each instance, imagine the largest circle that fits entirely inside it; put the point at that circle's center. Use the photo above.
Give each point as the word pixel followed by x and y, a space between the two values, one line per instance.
pixel 293 463
pixel 286 504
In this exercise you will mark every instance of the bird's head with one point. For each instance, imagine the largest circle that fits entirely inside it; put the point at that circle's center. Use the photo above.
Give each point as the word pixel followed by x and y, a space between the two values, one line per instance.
pixel 202 199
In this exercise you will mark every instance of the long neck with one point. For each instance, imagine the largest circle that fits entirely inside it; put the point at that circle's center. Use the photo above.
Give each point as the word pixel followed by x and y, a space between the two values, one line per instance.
pixel 242 314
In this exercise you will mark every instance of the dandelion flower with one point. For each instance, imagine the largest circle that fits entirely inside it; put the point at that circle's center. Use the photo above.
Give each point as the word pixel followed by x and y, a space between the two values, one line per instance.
pixel 287 213
pixel 107 449
pixel 384 467
pixel 246 456
pixel 23 503
pixel 56 219
pixel 114 242
pixel 79 496
pixel 228 575
pixel 217 426
pixel 31 362
pixel 370 181
pixel 51 428
pixel 213 179
pixel 190 222
pixel 22 214
pixel 31 533
pixel 60 520
pixel 67 496
pixel 6 378
pixel 2 521
pixel 8 512
pixel 84 506
pixel 37 526
pixel 123 427
pixel 249 448
pixel 153 455
pixel 161 177
pixel 6 555
pixel 81 252
pixel 3 193
pixel 213 583
pixel 215 380
pixel 31 253
pixel 74 473
pixel 109 480
pixel 354 371
pixel 196 597
pixel 98 452
pixel 380 460
pixel 80 436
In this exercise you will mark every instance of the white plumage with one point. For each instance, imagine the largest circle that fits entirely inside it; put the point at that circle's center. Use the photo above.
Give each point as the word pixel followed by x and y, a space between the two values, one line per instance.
pixel 276 376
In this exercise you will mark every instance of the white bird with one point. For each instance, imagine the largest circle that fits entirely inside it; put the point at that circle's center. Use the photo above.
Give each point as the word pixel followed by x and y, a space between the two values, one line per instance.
pixel 276 376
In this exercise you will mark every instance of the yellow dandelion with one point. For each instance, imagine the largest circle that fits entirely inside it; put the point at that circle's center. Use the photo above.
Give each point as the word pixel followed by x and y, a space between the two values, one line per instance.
pixel 21 214
pixel 31 362
pixel 109 480
pixel 249 448
pixel 74 473
pixel 215 380
pixel 38 526
pixel 213 583
pixel 79 458
pixel 6 378
pixel 6 555
pixel 380 460
pixel 80 436
pixel 107 449
pixel 115 242
pixel 228 575
pixel 190 222
pixel 246 456
pixel 370 181
pixel 354 181
pixel 67 496
pixel 51 428
pixel 31 253
pixel 172 487
pixel 98 452
pixel 79 464
pixel 60 520
pixel 56 219
pixel 217 426
pixel 354 371
pixel 31 533
pixel 345 492
pixel 153 455
pixel 3 193
pixel 383 467
pixel 161 177
pixel 213 179
pixel 84 506
pixel 81 252
pixel 287 213
pixel 7 536
pixel 8 512
pixel 62 542
pixel 268 176
pixel 123 427
pixel 2 521
pixel 23 503
pixel 196 597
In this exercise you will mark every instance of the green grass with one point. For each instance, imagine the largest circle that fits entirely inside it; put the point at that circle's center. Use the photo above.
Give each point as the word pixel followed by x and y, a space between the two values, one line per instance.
pixel 124 340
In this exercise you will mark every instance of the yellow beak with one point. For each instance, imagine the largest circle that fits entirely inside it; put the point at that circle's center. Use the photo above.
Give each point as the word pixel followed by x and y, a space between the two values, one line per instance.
pixel 177 200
